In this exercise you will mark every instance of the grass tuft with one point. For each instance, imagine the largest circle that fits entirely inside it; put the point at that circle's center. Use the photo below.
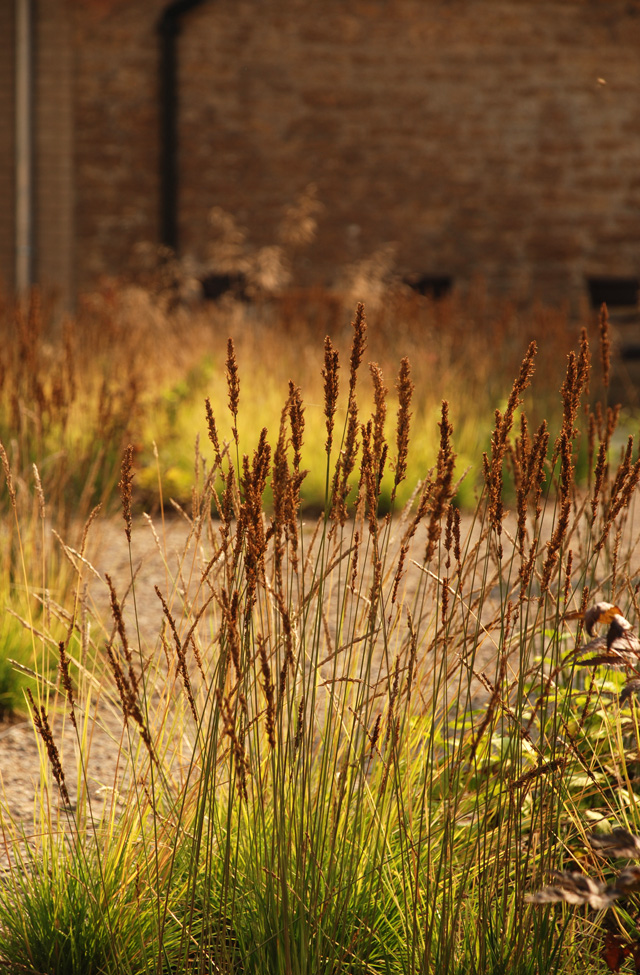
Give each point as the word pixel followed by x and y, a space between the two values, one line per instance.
pixel 344 743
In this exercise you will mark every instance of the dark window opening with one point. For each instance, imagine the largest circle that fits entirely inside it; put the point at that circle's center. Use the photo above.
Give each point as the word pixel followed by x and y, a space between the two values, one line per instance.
pixel 214 286
pixel 630 353
pixel 621 296
pixel 613 292
pixel 429 285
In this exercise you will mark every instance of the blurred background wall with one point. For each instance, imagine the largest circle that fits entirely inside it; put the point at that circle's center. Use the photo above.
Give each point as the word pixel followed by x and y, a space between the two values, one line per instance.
pixel 471 137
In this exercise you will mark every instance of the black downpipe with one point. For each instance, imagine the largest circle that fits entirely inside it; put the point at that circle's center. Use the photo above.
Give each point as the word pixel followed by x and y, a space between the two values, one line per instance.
pixel 169 29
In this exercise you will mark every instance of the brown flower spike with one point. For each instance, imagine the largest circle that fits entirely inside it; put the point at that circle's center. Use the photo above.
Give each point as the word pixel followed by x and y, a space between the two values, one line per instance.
pixel 125 488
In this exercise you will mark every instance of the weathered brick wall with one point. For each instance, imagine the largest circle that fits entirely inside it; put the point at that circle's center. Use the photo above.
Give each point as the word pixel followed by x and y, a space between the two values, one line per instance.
pixel 116 132
pixel 473 134
pixel 7 146
pixel 55 253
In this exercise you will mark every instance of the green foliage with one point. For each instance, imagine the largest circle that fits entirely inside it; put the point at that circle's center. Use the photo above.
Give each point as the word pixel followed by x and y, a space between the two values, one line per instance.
pixel 16 650
pixel 56 917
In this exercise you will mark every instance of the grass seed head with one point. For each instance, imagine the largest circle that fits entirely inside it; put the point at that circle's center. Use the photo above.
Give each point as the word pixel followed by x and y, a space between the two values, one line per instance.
pixel 125 487
pixel 379 416
pixel 448 535
pixel 299 725
pixel 605 344
pixel 116 612
pixel 67 683
pixel 229 726
pixel 233 386
pixel 8 476
pixel 43 728
pixel 405 389
pixel 296 418
pixel 567 578
pixel 584 361
pixel 358 346
pixel 354 560
pixel 457 554
pixel 267 686
pixel 443 484
pixel 526 570
pixel 213 432
pixel 554 544
pixel 330 376
pixel 375 734
pixel 39 492
pixel 230 608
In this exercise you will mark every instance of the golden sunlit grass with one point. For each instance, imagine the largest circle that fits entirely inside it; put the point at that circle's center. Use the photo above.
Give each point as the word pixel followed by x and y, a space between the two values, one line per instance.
pixel 130 367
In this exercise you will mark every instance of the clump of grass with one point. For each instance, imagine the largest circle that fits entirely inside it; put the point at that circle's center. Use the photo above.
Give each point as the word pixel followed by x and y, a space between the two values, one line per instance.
pixel 352 743
pixel 450 344
pixel 62 380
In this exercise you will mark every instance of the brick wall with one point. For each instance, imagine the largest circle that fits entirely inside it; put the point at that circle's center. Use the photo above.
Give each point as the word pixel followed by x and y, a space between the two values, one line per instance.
pixel 7 146
pixel 54 192
pixel 474 135
pixel 116 133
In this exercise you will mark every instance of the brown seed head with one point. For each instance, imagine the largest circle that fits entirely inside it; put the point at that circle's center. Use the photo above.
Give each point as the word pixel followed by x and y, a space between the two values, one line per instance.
pixel 405 389
pixel 213 432
pixel 493 467
pixel 354 560
pixel 567 469
pixel 345 463
pixel 296 417
pixel 43 728
pixel 379 416
pixel 444 609
pixel 299 725
pixel 230 611
pixel 400 562
pixel 448 535
pixel 554 544
pixel 125 487
pixel 87 525
pixel 522 381
pixel 600 475
pixel 443 484
pixel 567 580
pixel 267 686
pixel 591 446
pixel 605 344
pixel 229 726
pixel 358 346
pixel 375 734
pixel 330 376
pixel 65 676
pixel 233 386
pixel 181 655
pixel 456 538
pixel 526 570
pixel 619 501
pixel 39 492
pixel 116 612
pixel 8 476
pixel 584 361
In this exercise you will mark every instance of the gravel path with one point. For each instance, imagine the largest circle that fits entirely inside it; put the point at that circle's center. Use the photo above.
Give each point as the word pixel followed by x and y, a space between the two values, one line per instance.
pixel 20 758
pixel 20 747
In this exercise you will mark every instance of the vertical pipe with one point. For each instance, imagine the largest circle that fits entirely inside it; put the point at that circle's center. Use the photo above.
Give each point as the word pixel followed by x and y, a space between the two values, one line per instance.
pixel 169 28
pixel 168 131
pixel 24 256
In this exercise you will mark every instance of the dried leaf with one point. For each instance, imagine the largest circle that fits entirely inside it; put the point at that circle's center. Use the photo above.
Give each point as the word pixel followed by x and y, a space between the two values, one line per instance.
pixel 614 952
